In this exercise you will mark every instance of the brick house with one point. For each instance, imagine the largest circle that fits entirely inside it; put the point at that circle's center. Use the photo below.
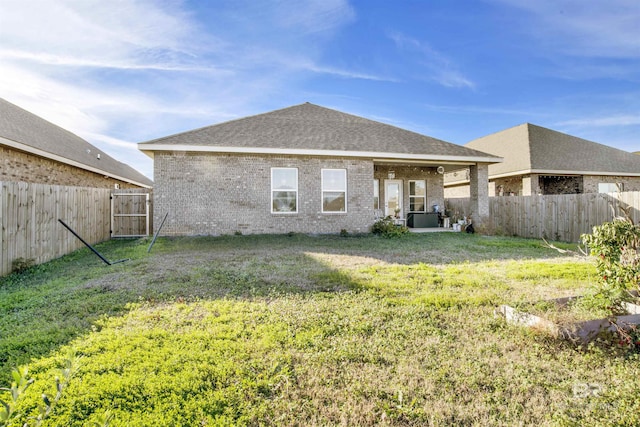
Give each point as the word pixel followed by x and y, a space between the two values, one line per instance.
pixel 35 150
pixel 306 169
pixel 538 160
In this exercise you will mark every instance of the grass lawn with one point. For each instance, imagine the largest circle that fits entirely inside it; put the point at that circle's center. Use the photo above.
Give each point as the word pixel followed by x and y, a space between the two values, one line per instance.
pixel 309 331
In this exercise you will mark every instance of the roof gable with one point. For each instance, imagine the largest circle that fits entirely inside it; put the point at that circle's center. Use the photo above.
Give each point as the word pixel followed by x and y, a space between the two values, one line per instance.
pixel 311 127
pixel 530 148
pixel 511 144
pixel 28 132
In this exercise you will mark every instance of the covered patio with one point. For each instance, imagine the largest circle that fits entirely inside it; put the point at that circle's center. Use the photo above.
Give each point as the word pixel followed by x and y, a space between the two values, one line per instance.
pixel 413 191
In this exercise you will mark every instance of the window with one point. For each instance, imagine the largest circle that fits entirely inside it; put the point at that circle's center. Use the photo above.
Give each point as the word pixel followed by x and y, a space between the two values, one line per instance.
pixel 284 190
pixel 334 190
pixel 417 196
pixel 610 187
pixel 376 194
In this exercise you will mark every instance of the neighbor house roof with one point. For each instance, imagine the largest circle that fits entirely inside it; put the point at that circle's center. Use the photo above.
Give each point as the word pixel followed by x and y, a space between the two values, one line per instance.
pixel 529 148
pixel 22 130
pixel 309 129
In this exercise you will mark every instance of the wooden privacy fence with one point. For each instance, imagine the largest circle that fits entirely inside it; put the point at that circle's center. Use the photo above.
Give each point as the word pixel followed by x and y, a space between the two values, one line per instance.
pixel 131 213
pixel 29 224
pixel 558 217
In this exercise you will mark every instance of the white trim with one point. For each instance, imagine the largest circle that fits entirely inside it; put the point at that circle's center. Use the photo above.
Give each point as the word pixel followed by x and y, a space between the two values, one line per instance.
pixel 561 172
pixel 377 156
pixel 35 151
pixel 322 190
pixel 546 172
pixel 557 172
pixel 276 189
pixel 400 196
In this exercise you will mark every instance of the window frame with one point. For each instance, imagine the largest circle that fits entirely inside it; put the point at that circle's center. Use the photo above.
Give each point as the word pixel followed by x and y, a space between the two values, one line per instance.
pixel 275 189
pixel 324 190
pixel 617 186
pixel 412 197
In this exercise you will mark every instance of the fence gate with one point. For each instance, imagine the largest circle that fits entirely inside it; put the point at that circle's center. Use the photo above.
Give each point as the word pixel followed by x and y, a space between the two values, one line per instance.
pixel 130 214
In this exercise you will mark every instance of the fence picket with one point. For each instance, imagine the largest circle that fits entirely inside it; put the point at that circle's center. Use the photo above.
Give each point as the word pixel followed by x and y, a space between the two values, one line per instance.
pixel 558 217
pixel 29 214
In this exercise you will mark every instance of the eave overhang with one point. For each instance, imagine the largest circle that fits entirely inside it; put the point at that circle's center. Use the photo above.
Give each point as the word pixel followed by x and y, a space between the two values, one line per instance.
pixel 149 150
pixel 41 153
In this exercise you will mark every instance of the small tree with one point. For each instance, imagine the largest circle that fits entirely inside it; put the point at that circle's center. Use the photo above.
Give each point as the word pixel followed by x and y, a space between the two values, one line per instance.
pixel 616 246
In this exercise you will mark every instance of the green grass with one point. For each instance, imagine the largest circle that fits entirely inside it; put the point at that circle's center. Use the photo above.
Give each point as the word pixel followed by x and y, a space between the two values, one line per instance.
pixel 300 330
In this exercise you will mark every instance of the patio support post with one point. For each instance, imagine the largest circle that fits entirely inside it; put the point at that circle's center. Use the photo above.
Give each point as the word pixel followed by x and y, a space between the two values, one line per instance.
pixel 530 185
pixel 479 182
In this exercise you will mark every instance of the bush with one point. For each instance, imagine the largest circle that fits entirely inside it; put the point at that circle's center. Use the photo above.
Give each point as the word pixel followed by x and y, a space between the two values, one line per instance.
pixel 387 227
pixel 21 264
pixel 616 246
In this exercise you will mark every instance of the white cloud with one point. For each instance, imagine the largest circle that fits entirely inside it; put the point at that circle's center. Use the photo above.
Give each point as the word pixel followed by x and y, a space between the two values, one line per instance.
pixel 116 30
pixel 130 70
pixel 313 16
pixel 618 120
pixel 607 29
pixel 466 109
pixel 440 68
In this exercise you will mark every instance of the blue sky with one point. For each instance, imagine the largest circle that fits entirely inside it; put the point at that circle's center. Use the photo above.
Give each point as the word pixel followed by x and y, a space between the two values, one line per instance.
pixel 121 72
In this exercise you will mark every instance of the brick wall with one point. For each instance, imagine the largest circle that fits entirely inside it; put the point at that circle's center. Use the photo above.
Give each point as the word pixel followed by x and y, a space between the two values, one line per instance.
pixel 18 166
pixel 629 183
pixel 457 191
pixel 213 194
pixel 509 186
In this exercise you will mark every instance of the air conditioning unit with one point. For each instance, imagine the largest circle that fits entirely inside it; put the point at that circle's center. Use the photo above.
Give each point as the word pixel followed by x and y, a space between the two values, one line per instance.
pixel 440 170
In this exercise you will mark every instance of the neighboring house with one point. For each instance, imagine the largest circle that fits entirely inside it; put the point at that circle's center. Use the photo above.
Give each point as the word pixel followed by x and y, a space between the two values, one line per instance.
pixel 304 169
pixel 543 161
pixel 35 150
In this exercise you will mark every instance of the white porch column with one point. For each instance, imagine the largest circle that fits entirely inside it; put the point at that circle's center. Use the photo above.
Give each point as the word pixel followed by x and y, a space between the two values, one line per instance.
pixel 479 190
pixel 530 185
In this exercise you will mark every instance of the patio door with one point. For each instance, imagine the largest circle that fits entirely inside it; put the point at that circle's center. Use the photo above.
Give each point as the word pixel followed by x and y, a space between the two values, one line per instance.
pixel 393 196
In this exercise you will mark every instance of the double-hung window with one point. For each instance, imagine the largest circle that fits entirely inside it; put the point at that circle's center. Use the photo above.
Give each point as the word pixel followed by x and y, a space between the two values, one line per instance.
pixel 334 190
pixel 417 196
pixel 284 190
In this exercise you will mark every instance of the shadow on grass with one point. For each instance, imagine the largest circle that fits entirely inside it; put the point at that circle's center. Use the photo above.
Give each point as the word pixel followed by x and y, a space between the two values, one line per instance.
pixel 49 305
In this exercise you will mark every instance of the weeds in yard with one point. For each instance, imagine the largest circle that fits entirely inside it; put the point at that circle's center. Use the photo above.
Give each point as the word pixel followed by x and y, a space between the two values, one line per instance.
pixel 300 330
pixel 21 382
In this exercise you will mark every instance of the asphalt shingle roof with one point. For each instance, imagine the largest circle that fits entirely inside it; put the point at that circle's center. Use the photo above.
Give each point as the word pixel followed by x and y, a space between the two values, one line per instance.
pixel 535 148
pixel 309 126
pixel 21 126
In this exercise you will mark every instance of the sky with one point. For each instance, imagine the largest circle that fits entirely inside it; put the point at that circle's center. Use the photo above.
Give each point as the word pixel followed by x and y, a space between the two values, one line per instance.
pixel 120 72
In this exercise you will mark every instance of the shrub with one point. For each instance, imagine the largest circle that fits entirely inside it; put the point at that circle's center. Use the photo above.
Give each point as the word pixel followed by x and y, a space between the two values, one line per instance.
pixel 387 227
pixel 19 386
pixel 616 246
pixel 21 264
